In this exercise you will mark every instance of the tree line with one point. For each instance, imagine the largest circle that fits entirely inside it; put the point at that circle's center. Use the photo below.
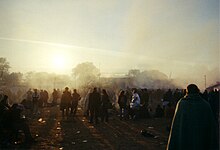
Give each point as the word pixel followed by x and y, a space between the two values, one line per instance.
pixel 83 75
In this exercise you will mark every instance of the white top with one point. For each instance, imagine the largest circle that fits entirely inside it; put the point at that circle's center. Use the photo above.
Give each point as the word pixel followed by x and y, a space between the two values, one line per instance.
pixel 136 101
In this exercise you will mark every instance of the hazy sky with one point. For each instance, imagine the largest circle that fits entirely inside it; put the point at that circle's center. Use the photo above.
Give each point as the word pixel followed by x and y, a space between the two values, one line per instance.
pixel 174 36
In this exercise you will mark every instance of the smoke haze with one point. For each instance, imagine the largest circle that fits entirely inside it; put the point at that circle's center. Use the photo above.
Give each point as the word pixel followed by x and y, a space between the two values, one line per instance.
pixel 178 38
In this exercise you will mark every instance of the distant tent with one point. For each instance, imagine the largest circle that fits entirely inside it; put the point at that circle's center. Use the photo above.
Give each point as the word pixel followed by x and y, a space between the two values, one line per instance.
pixel 213 87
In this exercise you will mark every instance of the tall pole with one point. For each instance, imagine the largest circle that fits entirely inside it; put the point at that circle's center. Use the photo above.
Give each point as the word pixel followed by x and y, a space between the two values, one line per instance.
pixel 99 75
pixel 170 75
pixel 75 82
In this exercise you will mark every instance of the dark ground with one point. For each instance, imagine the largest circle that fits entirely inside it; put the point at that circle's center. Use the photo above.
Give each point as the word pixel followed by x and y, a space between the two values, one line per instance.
pixel 53 132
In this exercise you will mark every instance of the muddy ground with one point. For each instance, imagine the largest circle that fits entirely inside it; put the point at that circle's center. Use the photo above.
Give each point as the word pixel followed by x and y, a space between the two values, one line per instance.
pixel 53 132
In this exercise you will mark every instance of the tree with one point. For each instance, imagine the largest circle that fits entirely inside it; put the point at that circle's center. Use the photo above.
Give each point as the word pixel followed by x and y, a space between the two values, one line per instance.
pixel 86 74
pixel 133 72
pixel 14 78
pixel 4 67
pixel 44 80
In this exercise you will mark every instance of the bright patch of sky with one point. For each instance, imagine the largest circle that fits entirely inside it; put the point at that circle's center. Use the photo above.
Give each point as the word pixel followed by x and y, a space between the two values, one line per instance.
pixel 181 36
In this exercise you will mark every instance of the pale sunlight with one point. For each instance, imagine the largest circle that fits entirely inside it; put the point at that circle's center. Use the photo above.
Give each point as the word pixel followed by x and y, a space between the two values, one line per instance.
pixel 59 63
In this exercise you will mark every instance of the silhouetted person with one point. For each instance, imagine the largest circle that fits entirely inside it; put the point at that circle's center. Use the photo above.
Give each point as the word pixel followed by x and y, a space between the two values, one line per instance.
pixel 94 105
pixel 4 107
pixel 15 122
pixel 176 96
pixel 65 102
pixel 205 95
pixel 35 101
pixel 45 98
pixel 159 112
pixel 167 98
pixel 122 102
pixel 193 126
pixel 11 120
pixel 55 97
pixel 104 106
pixel 144 103
pixel 29 95
pixel 41 99
pixel 214 102
pixel 74 103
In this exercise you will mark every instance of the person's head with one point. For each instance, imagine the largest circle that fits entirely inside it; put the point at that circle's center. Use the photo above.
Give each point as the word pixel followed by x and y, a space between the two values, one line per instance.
pixel 122 92
pixel 104 91
pixel 35 90
pixel 74 91
pixel 66 88
pixel 192 89
pixel 134 90
pixel 95 89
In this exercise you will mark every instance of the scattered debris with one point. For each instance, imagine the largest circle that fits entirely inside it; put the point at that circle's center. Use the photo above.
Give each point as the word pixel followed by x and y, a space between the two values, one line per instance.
pixel 91 127
pixel 73 143
pixel 58 128
pixel 150 127
pixel 40 120
pixel 156 137
pixel 146 133
pixel 85 141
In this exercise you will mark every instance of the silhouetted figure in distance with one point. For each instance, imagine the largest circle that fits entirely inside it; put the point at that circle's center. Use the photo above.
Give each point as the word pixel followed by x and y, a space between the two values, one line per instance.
pixel 74 103
pixel 94 105
pixel 104 106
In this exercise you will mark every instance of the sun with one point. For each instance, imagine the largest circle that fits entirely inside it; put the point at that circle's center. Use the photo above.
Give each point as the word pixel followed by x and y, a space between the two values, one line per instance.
pixel 59 61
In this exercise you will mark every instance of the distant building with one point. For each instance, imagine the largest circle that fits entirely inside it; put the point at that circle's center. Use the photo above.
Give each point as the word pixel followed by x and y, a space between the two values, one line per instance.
pixel 214 86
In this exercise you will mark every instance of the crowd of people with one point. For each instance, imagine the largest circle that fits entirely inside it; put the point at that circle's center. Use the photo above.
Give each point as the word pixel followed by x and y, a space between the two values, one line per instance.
pixel 11 122
pixel 129 103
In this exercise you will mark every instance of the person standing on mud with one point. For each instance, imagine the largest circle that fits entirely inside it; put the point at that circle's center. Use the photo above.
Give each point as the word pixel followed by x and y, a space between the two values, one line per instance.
pixel 193 126
pixel 45 99
pixel 74 103
pixel 55 97
pixel 35 101
pixel 94 105
pixel 65 102
pixel 41 99
pixel 122 102
pixel 104 106
pixel 134 105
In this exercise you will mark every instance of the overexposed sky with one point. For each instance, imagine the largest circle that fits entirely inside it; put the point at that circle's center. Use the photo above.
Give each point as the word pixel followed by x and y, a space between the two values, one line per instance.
pixel 175 36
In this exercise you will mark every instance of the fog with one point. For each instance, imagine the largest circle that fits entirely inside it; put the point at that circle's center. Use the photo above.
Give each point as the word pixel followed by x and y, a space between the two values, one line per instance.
pixel 177 38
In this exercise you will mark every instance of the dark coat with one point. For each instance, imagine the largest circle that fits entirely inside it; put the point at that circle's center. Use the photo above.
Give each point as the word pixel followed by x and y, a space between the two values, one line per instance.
pixel 193 125
pixel 122 101
pixel 94 100
pixel 105 101
pixel 65 100
pixel 75 99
